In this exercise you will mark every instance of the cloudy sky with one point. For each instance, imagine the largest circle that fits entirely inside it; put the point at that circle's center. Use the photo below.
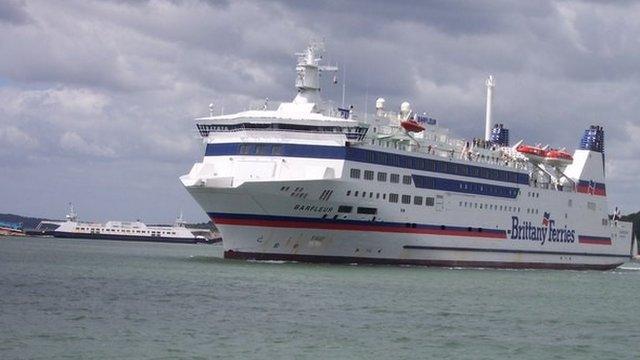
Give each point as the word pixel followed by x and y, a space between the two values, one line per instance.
pixel 97 97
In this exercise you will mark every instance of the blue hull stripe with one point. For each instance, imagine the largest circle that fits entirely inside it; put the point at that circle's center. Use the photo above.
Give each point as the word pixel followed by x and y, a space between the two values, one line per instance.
pixel 466 187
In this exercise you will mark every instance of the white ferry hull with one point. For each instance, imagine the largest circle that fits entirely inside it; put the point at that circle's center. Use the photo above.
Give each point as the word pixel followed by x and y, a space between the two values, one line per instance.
pixel 75 235
pixel 258 223
pixel 375 248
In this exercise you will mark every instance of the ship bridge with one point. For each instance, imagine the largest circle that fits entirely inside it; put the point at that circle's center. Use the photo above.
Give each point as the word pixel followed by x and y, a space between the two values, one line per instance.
pixel 289 117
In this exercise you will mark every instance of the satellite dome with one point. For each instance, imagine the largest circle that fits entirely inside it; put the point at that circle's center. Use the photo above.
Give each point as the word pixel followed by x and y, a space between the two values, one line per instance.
pixel 405 107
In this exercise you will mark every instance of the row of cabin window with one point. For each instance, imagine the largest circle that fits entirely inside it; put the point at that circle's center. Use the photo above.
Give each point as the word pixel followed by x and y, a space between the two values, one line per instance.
pixel 279 126
pixel 393 198
pixel 492 207
pixel 382 176
pixel 406 199
pixel 127 231
pixel 496 207
pixel 443 167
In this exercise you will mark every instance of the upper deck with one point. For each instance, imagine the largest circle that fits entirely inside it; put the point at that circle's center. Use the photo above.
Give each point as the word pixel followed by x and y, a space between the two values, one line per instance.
pixel 407 137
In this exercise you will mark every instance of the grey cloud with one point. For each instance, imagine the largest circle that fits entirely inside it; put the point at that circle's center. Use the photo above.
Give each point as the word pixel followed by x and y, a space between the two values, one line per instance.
pixel 14 12
pixel 453 17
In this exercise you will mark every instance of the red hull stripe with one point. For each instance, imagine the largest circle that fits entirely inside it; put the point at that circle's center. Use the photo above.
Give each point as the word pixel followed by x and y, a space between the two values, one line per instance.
pixel 230 254
pixel 353 225
pixel 595 240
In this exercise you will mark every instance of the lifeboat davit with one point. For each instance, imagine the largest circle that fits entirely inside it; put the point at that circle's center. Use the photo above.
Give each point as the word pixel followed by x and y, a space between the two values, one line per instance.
pixel 558 158
pixel 533 153
pixel 412 126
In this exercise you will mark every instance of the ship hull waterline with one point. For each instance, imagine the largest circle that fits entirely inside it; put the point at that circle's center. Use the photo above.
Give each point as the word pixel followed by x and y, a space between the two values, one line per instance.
pixel 70 235
pixel 237 255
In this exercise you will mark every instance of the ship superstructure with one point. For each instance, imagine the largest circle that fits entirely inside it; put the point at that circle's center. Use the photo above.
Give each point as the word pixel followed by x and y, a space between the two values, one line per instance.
pixel 310 182
pixel 124 230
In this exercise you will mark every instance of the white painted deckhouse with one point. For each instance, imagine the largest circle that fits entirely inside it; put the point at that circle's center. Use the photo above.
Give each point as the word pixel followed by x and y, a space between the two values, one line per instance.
pixel 309 182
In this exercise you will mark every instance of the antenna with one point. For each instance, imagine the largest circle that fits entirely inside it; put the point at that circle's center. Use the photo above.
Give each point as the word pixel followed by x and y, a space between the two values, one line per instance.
pixel 366 93
pixel 179 220
pixel 487 126
pixel 71 216
pixel 344 82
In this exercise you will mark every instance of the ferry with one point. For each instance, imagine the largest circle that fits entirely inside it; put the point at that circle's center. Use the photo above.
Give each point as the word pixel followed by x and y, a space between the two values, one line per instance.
pixel 311 182
pixel 125 230
pixel 11 229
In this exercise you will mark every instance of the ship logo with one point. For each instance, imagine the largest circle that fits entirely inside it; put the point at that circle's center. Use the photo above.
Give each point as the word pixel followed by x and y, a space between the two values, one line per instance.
pixel 545 218
pixel 592 187
pixel 548 232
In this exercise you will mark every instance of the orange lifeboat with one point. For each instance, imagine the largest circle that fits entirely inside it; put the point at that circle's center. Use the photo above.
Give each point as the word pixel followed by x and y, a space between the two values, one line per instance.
pixel 558 158
pixel 412 126
pixel 533 153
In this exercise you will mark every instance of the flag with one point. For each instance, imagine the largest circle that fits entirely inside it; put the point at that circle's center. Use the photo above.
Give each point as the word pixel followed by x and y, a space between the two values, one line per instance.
pixel 545 218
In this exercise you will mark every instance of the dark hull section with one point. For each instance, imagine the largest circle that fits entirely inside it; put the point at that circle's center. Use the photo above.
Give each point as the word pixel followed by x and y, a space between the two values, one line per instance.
pixel 59 234
pixel 39 232
pixel 230 254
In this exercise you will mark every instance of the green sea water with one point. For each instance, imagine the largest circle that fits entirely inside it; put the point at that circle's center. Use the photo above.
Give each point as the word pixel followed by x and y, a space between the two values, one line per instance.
pixel 84 299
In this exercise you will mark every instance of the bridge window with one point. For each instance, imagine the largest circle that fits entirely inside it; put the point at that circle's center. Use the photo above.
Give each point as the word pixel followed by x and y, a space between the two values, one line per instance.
pixel 406 199
pixel 368 175
pixel 355 174
pixel 382 176
pixel 393 198
pixel 417 200
pixel 394 178
pixel 429 201
pixel 406 179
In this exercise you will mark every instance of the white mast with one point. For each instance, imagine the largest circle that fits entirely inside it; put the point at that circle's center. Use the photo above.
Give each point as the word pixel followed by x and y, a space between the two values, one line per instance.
pixel 72 216
pixel 344 83
pixel 308 68
pixel 488 121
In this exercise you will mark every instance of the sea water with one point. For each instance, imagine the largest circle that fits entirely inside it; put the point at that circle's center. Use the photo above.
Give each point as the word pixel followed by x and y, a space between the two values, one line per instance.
pixel 83 299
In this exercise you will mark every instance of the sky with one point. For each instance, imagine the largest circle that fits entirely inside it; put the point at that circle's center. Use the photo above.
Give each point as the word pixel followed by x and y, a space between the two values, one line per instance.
pixel 97 98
